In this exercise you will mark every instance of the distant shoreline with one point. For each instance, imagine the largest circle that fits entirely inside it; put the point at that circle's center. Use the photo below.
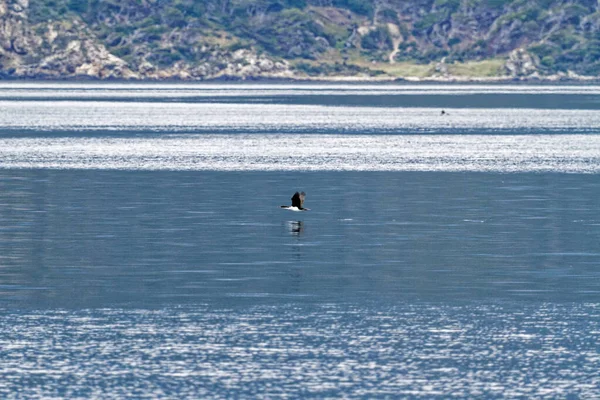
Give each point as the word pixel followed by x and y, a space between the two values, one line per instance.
pixel 322 79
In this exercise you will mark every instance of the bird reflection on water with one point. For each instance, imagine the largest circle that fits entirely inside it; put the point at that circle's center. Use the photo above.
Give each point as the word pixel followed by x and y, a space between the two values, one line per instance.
pixel 296 228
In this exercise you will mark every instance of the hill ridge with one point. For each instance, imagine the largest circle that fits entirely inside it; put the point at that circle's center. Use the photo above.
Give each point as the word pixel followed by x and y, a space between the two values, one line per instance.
pixel 300 39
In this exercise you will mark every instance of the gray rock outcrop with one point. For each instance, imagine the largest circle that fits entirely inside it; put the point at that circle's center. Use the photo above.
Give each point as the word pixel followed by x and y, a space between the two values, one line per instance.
pixel 520 64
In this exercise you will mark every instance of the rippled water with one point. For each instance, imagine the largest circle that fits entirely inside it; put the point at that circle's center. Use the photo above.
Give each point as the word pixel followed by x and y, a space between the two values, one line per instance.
pixel 427 351
pixel 121 117
pixel 143 252
pixel 305 152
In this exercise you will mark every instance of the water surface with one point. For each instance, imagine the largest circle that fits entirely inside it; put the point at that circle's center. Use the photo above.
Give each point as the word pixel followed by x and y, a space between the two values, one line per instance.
pixel 143 252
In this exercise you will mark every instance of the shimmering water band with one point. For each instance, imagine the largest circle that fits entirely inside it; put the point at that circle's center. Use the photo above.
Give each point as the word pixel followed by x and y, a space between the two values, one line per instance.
pixel 348 352
pixel 309 152
pixel 25 90
pixel 161 117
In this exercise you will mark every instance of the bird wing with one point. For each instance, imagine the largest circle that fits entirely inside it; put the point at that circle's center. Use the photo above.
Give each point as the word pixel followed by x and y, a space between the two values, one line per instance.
pixel 298 199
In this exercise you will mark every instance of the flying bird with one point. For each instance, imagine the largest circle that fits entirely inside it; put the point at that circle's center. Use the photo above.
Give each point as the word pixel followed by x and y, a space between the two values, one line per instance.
pixel 297 202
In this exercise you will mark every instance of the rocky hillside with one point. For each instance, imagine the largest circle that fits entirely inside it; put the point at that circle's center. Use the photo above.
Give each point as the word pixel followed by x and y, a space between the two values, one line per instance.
pixel 299 39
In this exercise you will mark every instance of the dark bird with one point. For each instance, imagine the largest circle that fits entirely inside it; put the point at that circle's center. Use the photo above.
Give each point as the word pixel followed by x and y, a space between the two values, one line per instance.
pixel 297 202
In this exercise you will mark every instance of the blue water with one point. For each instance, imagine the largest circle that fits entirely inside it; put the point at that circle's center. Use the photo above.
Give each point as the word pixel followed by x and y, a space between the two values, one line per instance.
pixel 147 257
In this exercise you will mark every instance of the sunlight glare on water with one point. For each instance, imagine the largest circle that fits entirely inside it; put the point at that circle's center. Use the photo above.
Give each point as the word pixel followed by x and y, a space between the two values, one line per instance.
pixel 144 253
pixel 126 117
pixel 286 152
pixel 409 351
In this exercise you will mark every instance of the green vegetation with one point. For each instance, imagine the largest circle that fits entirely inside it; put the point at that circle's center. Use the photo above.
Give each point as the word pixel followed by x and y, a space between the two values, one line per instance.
pixel 78 6
pixel 361 7
pixel 482 69
pixel 389 15
pixel 321 37
pixel 450 5
pixel 377 39
pixel 328 69
pixel 574 13
pixel 426 23
pixel 49 10
pixel 401 69
pixel 498 4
